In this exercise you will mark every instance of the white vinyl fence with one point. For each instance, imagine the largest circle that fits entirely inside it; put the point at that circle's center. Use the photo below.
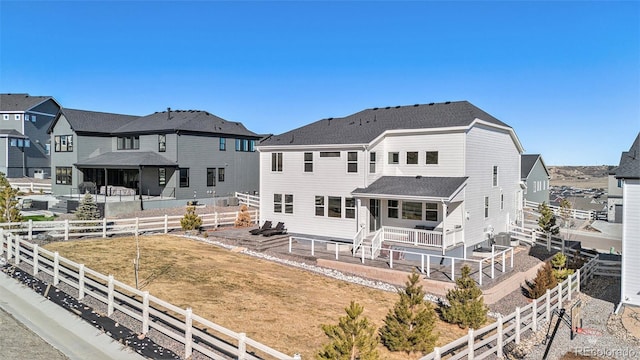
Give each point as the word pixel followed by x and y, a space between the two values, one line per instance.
pixel 249 200
pixel 573 213
pixel 74 228
pixel 194 332
pixel 32 187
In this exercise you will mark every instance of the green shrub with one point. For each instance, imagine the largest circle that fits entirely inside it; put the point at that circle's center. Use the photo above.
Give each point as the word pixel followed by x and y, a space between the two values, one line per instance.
pixel 560 270
pixel 353 338
pixel 191 220
pixel 466 306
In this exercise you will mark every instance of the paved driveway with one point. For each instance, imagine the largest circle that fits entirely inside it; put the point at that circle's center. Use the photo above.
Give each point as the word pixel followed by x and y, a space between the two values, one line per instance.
pixel 18 342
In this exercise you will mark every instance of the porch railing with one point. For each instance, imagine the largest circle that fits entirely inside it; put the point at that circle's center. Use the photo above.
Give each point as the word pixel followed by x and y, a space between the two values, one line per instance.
pixel 357 241
pixel 416 237
pixel 249 200
pixel 453 236
pixel 376 244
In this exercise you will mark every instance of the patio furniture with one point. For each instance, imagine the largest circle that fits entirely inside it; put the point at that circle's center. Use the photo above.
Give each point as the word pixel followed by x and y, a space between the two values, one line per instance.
pixel 278 230
pixel 266 226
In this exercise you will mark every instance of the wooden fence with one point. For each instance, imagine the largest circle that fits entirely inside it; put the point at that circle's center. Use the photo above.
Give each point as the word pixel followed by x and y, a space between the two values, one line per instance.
pixel 32 187
pixel 74 228
pixel 195 333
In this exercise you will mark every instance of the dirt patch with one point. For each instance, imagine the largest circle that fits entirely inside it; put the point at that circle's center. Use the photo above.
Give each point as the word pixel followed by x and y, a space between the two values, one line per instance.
pixel 277 305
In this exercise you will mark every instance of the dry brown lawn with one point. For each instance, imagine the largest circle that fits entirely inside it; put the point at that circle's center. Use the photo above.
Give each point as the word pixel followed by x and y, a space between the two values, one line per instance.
pixel 280 306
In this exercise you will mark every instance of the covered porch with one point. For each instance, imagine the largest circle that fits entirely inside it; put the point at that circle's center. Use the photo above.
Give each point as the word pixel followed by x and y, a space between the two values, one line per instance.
pixel 128 173
pixel 419 213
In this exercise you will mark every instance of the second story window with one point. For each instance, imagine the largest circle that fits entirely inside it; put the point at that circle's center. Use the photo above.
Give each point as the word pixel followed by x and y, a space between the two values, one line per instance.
pixel 372 163
pixel 63 143
pixel 276 162
pixel 495 175
pixel 162 143
pixel 245 145
pixel 184 177
pixel 223 144
pixel 394 158
pixel 412 158
pixel 308 162
pixel 128 142
pixel 432 158
pixel 352 162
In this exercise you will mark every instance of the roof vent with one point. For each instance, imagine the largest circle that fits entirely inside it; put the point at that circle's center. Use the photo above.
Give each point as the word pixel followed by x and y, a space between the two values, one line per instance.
pixel 398 107
pixel 388 107
pixel 416 105
pixel 448 102
pixel 418 176
pixel 431 104
pixel 375 108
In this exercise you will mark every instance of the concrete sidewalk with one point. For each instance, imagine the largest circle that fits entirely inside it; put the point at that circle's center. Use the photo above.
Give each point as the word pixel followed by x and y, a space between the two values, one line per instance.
pixel 64 331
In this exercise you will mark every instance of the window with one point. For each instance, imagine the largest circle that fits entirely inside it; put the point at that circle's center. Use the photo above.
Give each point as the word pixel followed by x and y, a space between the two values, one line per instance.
pixel 352 162
pixel 221 175
pixel 411 210
pixel 501 201
pixel 27 143
pixel 319 205
pixel 288 204
pixel 33 118
pixel 13 142
pixel 20 143
pixel 5 117
pixel 392 209
pixel 252 145
pixel 162 176
pixel 619 183
pixel 223 144
pixel 162 142
pixel 335 206
pixel 486 207
pixel 211 177
pixel 17 117
pixel 432 157
pixel 372 163
pixel 431 212
pixel 63 143
pixel 394 158
pixel 412 158
pixel 308 162
pixel 129 143
pixel 184 177
pixel 495 175
pixel 350 208
pixel 47 149
pixel 276 162
pixel 277 203
pixel 329 154
pixel 63 175
pixel 245 145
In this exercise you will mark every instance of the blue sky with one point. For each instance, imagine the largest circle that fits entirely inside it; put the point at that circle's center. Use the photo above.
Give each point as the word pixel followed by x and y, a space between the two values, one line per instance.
pixel 564 75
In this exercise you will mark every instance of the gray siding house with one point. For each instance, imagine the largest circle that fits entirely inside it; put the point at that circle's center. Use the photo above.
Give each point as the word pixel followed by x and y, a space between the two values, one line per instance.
pixel 181 154
pixel 535 176
pixel 24 142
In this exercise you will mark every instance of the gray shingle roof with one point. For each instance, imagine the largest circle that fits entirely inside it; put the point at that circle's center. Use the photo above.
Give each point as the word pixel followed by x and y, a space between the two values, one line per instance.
pixel 12 133
pixel 94 121
pixel 187 121
pixel 364 126
pixel 20 102
pixel 629 167
pixel 527 161
pixel 429 187
pixel 122 159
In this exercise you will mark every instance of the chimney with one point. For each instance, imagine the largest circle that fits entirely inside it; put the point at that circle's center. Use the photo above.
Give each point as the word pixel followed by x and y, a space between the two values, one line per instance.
pixel 168 113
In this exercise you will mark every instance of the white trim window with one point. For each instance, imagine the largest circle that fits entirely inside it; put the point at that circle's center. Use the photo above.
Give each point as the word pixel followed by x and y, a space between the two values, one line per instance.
pixel 277 203
pixel 352 162
pixel 18 117
pixel 276 162
pixel 5 117
pixel 431 211
pixel 495 175
pixel 372 162
pixel 319 205
pixel 412 158
pixel 308 162
pixel 335 207
pixel 432 158
pixel 486 207
pixel 349 208
pixel 392 209
pixel 288 203
pixel 411 210
pixel 394 158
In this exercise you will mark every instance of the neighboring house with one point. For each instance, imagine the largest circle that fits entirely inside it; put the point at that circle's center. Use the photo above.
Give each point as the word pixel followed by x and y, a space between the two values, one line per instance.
pixel 174 154
pixel 614 197
pixel 24 143
pixel 445 174
pixel 629 172
pixel 535 176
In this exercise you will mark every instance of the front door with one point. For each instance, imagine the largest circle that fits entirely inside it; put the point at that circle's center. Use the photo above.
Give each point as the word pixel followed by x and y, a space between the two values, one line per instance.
pixel 374 214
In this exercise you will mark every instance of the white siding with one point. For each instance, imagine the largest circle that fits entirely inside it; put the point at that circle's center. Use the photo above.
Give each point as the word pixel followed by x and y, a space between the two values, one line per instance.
pixel 486 147
pixel 631 242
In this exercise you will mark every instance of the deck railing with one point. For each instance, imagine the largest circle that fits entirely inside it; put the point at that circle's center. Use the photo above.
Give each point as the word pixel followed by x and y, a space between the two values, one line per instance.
pixel 249 200
pixel 416 237
pixel 32 187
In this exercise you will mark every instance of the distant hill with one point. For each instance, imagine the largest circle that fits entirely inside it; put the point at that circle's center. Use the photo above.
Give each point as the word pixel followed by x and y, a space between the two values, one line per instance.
pixel 580 176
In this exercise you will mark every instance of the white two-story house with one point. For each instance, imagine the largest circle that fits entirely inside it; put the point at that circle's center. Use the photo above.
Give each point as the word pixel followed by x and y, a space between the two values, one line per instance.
pixel 445 176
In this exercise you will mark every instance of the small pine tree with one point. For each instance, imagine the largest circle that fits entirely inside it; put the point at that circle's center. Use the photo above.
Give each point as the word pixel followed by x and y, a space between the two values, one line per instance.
pixel 409 325
pixel 353 338
pixel 191 220
pixel 244 218
pixel 466 305
pixel 547 220
pixel 560 270
pixel 87 209
pixel 9 211
pixel 544 280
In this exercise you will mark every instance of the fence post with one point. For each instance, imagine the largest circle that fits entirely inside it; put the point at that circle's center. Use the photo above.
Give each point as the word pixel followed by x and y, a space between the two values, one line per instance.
pixel 534 318
pixel 362 253
pixel 422 263
pixel 499 340
pixel 145 312
pixel 313 247
pixel 337 248
pixel 17 249
pixel 570 286
pixel 428 266
pixel 242 346
pixel 578 277
pixel 559 296
pixel 137 225
pixel 104 227
pixel 470 340
pixel 8 254
pixel 290 243
pixel 436 353
pixel 1 241
pixel 504 254
pixel 518 325
pixel 493 264
pixel 166 223
pixel 30 233
pixel 35 259
pixel 110 296
pixel 56 268
pixel 66 229
pixel 453 269
pixel 511 257
pixel 81 282
pixel 548 301
pixel 390 258
pixel 215 220
pixel 481 262
pixel 188 338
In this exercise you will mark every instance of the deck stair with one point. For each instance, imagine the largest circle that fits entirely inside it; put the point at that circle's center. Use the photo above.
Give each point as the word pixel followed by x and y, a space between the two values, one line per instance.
pixel 366 245
pixel 262 243
pixel 60 206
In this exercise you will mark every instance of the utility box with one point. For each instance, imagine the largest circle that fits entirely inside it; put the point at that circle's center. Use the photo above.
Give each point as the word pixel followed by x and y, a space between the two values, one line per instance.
pixel 503 239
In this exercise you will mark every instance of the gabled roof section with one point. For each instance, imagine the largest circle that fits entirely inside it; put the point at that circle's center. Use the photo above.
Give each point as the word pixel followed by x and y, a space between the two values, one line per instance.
pixel 21 102
pixel 193 121
pixel 629 167
pixel 527 162
pixel 83 121
pixel 12 133
pixel 127 159
pixel 364 126
pixel 418 187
